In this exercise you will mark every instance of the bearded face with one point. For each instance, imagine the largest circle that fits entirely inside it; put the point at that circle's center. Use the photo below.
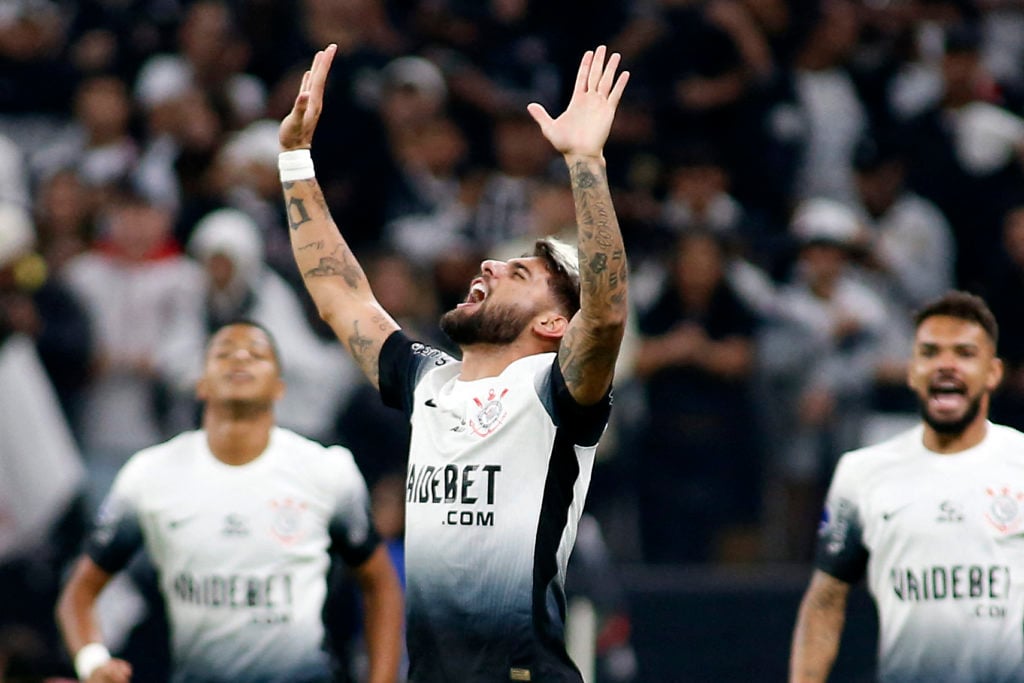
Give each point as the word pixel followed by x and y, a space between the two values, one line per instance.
pixel 949 423
pixel 486 323
pixel 952 371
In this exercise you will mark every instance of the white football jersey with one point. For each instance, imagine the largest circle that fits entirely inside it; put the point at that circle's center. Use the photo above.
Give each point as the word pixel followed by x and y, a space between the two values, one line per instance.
pixel 941 540
pixel 497 477
pixel 241 551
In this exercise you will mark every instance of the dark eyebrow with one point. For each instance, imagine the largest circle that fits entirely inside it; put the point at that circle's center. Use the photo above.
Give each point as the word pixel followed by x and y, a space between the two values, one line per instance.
pixel 519 265
pixel 961 346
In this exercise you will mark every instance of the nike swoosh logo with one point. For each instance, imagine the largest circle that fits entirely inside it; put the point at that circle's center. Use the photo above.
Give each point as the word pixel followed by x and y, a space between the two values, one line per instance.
pixel 175 523
pixel 886 516
pixel 430 403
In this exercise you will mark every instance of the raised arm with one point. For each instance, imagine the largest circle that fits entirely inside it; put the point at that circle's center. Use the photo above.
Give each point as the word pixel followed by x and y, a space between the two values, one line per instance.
pixel 591 342
pixel 382 615
pixel 818 629
pixel 330 271
pixel 78 626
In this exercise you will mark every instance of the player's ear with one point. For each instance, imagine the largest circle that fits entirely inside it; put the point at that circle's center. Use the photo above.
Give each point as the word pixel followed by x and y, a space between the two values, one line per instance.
pixel 550 325
pixel 995 374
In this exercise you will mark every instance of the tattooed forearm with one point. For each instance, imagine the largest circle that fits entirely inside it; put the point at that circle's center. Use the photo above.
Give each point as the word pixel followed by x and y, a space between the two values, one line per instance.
pixel 330 266
pixel 363 352
pixel 590 346
pixel 297 214
pixel 584 356
pixel 318 197
pixel 600 244
pixel 582 177
pixel 318 245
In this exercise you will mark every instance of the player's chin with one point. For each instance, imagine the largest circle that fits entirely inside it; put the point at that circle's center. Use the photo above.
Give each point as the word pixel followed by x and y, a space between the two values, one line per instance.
pixel 948 422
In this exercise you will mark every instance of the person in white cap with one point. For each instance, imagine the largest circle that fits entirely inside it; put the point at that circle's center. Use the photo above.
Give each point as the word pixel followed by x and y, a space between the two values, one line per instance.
pixel 237 283
pixel 819 348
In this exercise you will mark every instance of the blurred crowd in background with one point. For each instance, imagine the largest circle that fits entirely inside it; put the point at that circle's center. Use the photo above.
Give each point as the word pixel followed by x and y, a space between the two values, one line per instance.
pixel 793 178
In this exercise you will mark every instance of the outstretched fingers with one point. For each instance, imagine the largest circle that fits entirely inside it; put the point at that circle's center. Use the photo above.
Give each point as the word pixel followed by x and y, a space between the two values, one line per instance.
pixel 540 115
pixel 596 69
pixel 620 85
pixel 318 73
pixel 584 72
pixel 604 86
pixel 302 99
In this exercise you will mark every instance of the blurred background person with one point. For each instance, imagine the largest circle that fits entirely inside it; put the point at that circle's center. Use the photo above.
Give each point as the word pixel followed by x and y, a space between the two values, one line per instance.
pixel 42 477
pixel 236 283
pixel 134 284
pixel 818 351
pixel 695 360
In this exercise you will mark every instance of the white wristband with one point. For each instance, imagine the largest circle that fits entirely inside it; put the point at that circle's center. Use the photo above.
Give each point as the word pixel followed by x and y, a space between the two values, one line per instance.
pixel 90 658
pixel 295 164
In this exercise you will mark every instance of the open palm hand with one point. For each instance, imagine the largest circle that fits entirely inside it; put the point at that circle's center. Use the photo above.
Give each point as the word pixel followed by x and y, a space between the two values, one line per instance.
pixel 297 128
pixel 583 127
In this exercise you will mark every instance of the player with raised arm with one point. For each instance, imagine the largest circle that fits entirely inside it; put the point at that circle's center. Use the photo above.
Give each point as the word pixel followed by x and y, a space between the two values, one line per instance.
pixel 503 441
pixel 238 518
pixel 934 519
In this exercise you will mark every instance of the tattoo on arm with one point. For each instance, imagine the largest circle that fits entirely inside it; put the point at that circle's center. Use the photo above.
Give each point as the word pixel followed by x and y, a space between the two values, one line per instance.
pixel 297 214
pixel 318 197
pixel 318 245
pixel 362 349
pixel 331 266
pixel 582 356
pixel 585 178
pixel 572 368
pixel 590 346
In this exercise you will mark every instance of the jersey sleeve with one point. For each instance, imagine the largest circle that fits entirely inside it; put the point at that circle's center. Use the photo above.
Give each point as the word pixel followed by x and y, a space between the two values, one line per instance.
pixel 117 535
pixel 353 537
pixel 584 424
pixel 402 364
pixel 840 547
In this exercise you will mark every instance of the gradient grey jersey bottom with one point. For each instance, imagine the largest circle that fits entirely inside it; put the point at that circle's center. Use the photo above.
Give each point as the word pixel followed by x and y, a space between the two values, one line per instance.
pixel 498 474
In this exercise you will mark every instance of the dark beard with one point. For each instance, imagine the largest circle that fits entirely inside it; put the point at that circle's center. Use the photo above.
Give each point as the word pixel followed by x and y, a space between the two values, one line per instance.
pixel 951 427
pixel 246 409
pixel 498 324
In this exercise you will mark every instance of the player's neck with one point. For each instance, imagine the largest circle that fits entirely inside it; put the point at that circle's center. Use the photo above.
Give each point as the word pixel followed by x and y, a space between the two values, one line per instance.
pixel 490 360
pixel 237 440
pixel 948 444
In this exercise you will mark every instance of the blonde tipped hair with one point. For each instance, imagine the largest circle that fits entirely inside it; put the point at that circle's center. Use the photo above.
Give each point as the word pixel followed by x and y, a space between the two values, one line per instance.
pixel 564 264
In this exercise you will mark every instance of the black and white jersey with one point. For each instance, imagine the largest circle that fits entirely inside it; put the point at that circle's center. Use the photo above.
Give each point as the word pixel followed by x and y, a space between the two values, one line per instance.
pixel 497 476
pixel 941 541
pixel 241 551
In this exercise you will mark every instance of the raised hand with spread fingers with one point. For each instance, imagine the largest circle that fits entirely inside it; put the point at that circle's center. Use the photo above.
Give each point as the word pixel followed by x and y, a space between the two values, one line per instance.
pixel 590 346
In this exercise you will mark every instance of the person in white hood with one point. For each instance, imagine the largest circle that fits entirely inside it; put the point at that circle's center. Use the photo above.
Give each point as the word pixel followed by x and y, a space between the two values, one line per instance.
pixel 239 285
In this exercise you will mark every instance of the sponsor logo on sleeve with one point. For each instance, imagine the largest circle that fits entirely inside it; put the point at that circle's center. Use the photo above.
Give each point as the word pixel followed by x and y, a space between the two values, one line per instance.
pixel 429 352
pixel 835 525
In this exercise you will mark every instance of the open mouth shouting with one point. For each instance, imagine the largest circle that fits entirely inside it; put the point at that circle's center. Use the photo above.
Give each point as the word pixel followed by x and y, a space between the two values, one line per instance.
pixel 477 294
pixel 947 397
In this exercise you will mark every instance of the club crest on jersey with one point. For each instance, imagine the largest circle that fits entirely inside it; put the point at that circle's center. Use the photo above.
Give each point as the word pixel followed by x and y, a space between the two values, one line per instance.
pixel 492 413
pixel 1005 511
pixel 287 522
